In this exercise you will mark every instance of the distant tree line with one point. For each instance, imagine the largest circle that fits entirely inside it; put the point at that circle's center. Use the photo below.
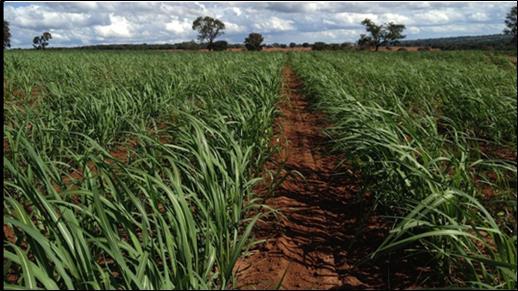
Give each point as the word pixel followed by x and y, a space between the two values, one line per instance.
pixel 388 34
pixel 483 42
pixel 218 45
pixel 320 46
pixel 187 45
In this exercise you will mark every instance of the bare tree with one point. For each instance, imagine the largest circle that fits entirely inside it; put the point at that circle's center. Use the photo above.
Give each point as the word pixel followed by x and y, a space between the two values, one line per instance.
pixel 208 29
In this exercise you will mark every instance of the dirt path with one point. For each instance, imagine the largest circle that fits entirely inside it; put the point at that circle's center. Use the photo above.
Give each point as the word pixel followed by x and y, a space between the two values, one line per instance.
pixel 319 235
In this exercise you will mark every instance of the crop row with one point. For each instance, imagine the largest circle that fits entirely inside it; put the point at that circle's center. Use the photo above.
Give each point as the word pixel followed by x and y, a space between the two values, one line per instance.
pixel 434 136
pixel 132 170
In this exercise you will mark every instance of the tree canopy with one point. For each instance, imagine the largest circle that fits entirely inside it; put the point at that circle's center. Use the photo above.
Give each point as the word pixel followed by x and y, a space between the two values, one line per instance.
pixel 510 22
pixel 40 42
pixel 387 34
pixel 7 35
pixel 254 42
pixel 208 29
pixel 220 45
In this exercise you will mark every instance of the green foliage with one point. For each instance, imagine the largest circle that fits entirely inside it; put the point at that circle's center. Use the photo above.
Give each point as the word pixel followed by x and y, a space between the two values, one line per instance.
pixel 41 42
pixel 208 29
pixel 254 42
pixel 134 170
pixel 482 42
pixel 414 124
pixel 220 45
pixel 171 213
pixel 7 35
pixel 318 46
pixel 381 35
pixel 188 45
pixel 511 24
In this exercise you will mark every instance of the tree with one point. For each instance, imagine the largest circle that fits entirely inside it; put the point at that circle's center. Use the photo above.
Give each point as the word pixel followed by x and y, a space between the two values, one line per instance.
pixel 510 22
pixel 7 35
pixel 319 46
pixel 346 45
pixel 253 42
pixel 380 35
pixel 364 41
pixel 40 42
pixel 292 44
pixel 188 45
pixel 208 29
pixel 394 33
pixel 306 44
pixel 220 45
pixel 336 46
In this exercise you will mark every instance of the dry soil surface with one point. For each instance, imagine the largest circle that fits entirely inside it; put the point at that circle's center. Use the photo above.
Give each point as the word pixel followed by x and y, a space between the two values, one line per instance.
pixel 324 227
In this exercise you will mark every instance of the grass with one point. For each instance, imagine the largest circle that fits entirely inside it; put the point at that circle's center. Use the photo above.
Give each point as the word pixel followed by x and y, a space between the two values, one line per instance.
pixel 134 170
pixel 170 216
pixel 414 124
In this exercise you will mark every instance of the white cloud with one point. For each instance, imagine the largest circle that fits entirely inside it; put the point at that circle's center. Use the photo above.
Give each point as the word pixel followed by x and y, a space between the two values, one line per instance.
pixel 290 7
pixel 233 28
pixel 479 16
pixel 119 27
pixel 437 17
pixel 81 23
pixel 275 24
pixel 236 11
pixel 59 36
pixel 353 18
pixel 396 18
pixel 311 7
pixel 330 36
pixel 179 27
pixel 36 16
pixel 458 29
pixel 77 6
pixel 413 29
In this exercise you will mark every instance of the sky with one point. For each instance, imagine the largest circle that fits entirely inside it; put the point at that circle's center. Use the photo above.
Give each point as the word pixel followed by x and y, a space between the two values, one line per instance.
pixel 89 23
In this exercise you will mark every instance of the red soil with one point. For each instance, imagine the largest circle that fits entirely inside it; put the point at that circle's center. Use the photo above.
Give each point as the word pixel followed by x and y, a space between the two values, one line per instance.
pixel 9 234
pixel 272 49
pixel 498 152
pixel 288 49
pixel 20 97
pixel 323 228
pixel 407 48
pixel 6 145
pixel 307 49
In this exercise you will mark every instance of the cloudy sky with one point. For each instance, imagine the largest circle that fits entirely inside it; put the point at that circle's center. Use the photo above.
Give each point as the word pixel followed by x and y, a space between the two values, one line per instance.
pixel 86 23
